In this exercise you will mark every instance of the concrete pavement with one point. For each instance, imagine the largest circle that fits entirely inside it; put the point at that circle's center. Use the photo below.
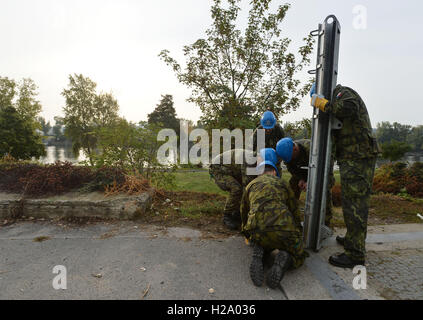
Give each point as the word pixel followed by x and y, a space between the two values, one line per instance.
pixel 126 260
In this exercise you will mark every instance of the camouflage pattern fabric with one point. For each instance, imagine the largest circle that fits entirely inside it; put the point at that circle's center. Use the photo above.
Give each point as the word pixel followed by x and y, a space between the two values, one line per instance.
pixel 297 173
pixel 356 185
pixel 355 139
pixel 356 150
pixel 234 188
pixel 270 217
pixel 231 177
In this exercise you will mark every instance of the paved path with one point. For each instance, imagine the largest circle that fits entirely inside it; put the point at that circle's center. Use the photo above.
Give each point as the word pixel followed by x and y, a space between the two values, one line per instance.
pixel 132 261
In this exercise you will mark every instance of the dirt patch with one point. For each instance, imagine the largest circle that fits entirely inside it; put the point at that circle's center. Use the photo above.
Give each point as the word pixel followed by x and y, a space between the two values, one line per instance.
pixel 198 210
pixel 41 238
pixel 387 209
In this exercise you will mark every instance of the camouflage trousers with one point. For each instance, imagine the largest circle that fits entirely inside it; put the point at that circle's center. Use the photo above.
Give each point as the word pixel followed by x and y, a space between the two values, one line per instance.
pixel 231 185
pixel 356 185
pixel 289 241
pixel 293 182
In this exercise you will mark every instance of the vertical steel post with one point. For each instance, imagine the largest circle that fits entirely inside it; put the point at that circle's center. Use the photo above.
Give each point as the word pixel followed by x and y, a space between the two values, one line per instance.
pixel 322 123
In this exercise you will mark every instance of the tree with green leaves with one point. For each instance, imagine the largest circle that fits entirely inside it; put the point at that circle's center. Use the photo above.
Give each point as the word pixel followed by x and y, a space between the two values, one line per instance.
pixel 133 148
pixel 45 125
pixel 18 137
pixel 27 105
pixel 299 129
pixel 386 132
pixel 23 97
pixel 235 75
pixel 85 112
pixel 19 109
pixel 164 115
pixel 395 150
pixel 415 138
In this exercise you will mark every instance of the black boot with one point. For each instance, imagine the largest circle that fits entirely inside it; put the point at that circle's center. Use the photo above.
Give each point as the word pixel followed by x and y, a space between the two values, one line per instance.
pixel 282 262
pixel 343 261
pixel 340 240
pixel 231 221
pixel 256 266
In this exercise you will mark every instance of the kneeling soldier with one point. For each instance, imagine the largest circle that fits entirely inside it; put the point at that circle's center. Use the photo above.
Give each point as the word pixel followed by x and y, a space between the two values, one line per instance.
pixel 271 220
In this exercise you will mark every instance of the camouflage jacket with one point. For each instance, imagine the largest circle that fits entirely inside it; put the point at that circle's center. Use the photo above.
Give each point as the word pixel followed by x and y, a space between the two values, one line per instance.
pixel 294 166
pixel 237 167
pixel 355 140
pixel 269 204
pixel 271 139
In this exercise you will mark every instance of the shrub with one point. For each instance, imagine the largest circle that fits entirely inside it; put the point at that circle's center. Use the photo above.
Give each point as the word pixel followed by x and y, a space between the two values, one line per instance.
pixel 104 177
pixel 34 179
pixel 414 181
pixel 12 171
pixel 55 178
pixel 132 184
pixel 390 178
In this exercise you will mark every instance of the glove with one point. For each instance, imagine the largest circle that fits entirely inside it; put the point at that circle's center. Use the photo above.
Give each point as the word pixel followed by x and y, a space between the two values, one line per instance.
pixel 318 101
pixel 313 89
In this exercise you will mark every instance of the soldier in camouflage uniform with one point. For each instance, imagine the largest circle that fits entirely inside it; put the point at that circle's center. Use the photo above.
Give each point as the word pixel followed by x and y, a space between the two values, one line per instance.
pixel 271 220
pixel 233 178
pixel 273 131
pixel 356 152
pixel 295 155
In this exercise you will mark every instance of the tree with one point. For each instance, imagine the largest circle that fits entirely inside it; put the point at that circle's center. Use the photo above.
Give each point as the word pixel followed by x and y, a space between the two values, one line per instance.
pixel 415 138
pixel 298 130
pixel 18 137
pixel 235 76
pixel 58 129
pixel 7 92
pixel 27 105
pixel 45 126
pixel 85 111
pixel 133 148
pixel 21 96
pixel 164 115
pixel 394 150
pixel 386 132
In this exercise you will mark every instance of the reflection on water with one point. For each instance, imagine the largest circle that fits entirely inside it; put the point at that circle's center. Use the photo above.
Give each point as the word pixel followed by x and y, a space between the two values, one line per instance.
pixel 65 154
pixel 412 159
pixel 62 154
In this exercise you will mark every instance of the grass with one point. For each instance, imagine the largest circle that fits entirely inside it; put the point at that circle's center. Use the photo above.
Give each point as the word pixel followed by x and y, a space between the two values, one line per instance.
pixel 198 181
pixel 198 198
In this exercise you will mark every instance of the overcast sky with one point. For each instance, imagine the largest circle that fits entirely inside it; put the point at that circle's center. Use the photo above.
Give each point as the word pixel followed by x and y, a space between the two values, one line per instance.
pixel 116 43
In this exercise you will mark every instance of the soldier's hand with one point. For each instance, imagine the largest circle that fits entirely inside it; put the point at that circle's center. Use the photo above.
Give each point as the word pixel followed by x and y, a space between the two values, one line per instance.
pixel 302 185
pixel 313 89
pixel 318 101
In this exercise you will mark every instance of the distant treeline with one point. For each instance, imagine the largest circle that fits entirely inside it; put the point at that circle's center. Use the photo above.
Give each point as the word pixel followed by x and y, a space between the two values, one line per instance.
pixel 401 133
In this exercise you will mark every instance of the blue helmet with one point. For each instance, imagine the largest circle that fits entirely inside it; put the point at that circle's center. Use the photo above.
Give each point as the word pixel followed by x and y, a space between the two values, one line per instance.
pixel 284 149
pixel 269 158
pixel 269 154
pixel 269 163
pixel 268 120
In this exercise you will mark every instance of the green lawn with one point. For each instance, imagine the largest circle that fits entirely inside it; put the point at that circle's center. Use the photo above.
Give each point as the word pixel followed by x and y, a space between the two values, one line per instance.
pixel 196 181
pixel 383 208
pixel 201 181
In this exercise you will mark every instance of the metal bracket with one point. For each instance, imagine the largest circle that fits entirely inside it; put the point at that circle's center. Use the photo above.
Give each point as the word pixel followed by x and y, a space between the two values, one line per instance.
pixel 335 124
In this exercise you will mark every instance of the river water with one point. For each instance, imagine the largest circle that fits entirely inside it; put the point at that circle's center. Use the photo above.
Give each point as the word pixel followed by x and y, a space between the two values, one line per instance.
pixel 62 154
pixel 65 154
